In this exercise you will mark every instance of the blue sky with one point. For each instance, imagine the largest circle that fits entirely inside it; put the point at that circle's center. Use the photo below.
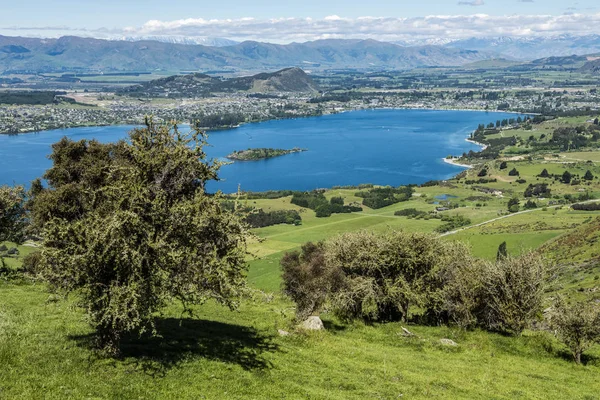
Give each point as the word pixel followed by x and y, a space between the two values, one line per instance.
pixel 114 18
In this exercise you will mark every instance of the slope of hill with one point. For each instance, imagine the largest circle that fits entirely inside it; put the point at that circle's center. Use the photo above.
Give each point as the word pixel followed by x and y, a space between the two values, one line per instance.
pixel 592 67
pixel 196 85
pixel 72 53
pixel 529 48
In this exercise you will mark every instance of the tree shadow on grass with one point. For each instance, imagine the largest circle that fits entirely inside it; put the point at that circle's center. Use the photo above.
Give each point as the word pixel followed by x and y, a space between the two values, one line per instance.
pixel 184 339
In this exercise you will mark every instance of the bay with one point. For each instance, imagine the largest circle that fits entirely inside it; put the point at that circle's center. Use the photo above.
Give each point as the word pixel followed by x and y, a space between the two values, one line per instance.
pixel 384 147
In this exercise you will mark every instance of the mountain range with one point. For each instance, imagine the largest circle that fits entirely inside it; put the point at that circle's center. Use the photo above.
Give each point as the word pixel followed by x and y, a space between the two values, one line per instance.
pixel 72 53
pixel 180 53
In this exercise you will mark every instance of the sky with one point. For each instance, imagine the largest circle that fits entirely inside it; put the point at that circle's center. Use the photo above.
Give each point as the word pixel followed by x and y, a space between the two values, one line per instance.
pixel 286 21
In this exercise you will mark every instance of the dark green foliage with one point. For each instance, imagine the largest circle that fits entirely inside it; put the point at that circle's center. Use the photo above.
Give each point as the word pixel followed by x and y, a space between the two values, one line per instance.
pixel 577 325
pixel 502 251
pixel 586 207
pixel 411 213
pixel 271 194
pixel 483 172
pixel 260 218
pixel 221 120
pixel 452 222
pixel 261 153
pixel 513 204
pixel 588 175
pixel 566 177
pixel 538 190
pixel 481 181
pixel 129 227
pixel 306 279
pixel 544 174
pixel 530 204
pixel 337 201
pixel 310 200
pixel 13 219
pixel 503 165
pixel 385 196
pixel 513 172
pixel 30 97
pixel 323 211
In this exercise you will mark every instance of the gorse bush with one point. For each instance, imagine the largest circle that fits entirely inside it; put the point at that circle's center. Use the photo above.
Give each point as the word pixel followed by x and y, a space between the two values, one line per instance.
pixel 512 292
pixel 577 325
pixel 385 277
pixel 307 279
pixel 129 227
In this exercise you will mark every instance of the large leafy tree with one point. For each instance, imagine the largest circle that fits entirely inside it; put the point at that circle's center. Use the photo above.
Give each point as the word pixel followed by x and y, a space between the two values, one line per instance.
pixel 130 227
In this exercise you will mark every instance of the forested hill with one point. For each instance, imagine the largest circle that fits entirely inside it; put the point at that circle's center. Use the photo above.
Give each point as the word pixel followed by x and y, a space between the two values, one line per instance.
pixel 70 53
pixel 290 80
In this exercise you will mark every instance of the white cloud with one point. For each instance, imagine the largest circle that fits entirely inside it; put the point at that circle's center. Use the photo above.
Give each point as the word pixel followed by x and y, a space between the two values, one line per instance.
pixel 285 30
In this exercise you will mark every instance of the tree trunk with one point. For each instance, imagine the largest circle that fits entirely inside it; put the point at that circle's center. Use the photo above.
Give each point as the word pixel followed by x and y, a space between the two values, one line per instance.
pixel 577 356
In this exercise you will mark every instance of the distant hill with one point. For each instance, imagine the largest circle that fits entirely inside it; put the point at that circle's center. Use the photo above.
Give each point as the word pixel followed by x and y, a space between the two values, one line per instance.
pixel 530 48
pixel 592 67
pixel 566 63
pixel 198 85
pixel 71 53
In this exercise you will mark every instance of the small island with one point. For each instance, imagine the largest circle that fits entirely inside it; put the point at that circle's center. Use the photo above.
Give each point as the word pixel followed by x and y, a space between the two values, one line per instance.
pixel 261 153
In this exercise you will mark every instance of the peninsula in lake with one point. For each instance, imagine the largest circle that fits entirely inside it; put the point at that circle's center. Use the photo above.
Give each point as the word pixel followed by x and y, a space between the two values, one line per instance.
pixel 261 153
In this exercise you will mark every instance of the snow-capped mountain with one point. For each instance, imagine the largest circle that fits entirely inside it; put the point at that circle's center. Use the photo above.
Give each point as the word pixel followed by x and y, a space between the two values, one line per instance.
pixel 205 41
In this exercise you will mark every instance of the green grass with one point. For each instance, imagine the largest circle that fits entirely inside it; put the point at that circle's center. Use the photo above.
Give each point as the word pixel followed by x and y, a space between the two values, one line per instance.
pixel 44 353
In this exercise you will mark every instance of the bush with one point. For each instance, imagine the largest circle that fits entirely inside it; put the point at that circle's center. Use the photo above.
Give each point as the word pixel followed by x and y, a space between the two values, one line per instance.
pixel 383 275
pixel 586 206
pixel 31 262
pixel 503 296
pixel 452 222
pixel 323 211
pixel 576 325
pixel 306 279
pixel 512 292
pixel 513 172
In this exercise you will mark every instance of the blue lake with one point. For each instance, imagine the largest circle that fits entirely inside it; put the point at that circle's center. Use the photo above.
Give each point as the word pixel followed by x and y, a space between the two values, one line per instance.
pixel 386 147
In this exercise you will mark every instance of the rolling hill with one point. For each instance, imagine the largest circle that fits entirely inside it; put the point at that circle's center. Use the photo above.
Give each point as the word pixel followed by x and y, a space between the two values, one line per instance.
pixel 196 85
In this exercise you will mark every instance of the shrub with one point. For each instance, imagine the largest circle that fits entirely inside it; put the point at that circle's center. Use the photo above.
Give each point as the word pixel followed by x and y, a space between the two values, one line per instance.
pixel 323 211
pixel 31 262
pixel 577 325
pixel 513 204
pixel 337 200
pixel 513 172
pixel 512 292
pixel 306 278
pixel 385 274
pixel 503 165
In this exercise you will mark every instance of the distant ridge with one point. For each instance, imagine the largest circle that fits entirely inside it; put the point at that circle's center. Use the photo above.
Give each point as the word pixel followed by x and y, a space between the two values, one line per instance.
pixel 71 53
pixel 196 85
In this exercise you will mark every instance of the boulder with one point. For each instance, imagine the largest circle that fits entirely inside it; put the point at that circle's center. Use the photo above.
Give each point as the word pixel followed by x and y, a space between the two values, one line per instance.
pixel 282 332
pixel 313 323
pixel 448 342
